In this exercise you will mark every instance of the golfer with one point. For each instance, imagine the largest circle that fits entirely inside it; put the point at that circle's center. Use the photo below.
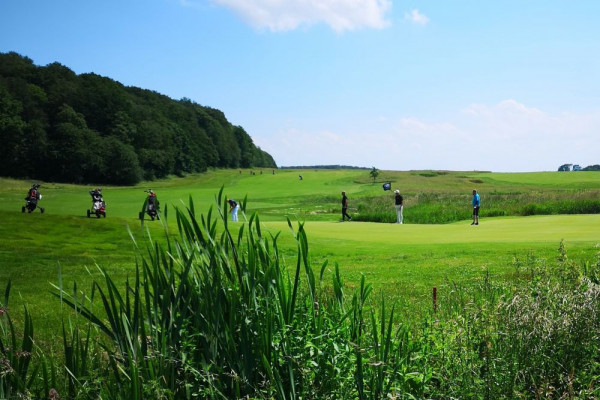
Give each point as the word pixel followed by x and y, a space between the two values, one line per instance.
pixel 476 203
pixel 399 204
pixel 345 207
pixel 233 209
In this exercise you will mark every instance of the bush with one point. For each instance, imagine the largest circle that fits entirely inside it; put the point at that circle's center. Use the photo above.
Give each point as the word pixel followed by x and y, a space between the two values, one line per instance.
pixel 532 339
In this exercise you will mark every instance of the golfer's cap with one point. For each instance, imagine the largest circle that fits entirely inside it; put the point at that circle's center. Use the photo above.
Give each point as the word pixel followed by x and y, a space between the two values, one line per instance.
pixel 396 191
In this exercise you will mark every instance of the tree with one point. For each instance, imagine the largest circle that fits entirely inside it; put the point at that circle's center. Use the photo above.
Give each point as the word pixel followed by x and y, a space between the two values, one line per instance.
pixel 121 165
pixel 565 167
pixel 11 134
pixel 246 146
pixel 71 156
pixel 374 173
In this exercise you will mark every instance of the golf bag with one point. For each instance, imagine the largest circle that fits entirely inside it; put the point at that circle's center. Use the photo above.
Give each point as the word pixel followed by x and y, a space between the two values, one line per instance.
pixel 98 204
pixel 151 206
pixel 31 201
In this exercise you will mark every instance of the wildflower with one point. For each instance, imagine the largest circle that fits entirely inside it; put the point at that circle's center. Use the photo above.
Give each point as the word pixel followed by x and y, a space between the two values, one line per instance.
pixel 53 395
pixel 22 354
pixel 5 367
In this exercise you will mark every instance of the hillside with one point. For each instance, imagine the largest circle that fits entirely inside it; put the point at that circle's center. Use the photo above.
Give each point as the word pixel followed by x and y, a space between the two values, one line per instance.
pixel 58 126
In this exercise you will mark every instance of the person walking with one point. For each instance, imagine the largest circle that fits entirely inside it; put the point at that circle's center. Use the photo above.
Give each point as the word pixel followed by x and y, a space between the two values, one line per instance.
pixel 476 203
pixel 345 207
pixel 233 209
pixel 399 204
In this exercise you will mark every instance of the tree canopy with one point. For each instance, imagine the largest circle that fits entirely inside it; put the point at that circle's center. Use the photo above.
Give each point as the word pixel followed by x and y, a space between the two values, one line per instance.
pixel 58 126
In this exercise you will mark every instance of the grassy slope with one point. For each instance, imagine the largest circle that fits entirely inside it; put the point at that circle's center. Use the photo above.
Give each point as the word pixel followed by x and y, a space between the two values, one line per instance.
pixel 405 261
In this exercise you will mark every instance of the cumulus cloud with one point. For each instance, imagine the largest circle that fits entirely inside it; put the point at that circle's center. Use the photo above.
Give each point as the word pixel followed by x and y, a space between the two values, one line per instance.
pixel 286 15
pixel 416 17
pixel 504 137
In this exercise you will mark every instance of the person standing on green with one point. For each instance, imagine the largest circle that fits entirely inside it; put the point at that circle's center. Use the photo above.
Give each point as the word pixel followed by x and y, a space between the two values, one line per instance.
pixel 345 207
pixel 399 204
pixel 476 203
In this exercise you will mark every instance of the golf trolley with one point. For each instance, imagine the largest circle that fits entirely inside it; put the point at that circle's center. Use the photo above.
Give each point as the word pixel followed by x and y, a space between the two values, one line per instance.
pixel 151 207
pixel 32 199
pixel 98 204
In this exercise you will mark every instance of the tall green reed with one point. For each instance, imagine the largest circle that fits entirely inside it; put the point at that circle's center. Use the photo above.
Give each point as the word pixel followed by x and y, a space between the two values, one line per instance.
pixel 220 315
pixel 24 372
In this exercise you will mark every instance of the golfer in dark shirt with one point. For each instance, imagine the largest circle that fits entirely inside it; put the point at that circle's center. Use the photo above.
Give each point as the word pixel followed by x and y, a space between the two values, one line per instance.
pixel 345 207
pixel 399 204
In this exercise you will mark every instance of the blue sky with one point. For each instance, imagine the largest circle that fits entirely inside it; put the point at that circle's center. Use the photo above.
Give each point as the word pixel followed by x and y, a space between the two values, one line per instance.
pixel 506 86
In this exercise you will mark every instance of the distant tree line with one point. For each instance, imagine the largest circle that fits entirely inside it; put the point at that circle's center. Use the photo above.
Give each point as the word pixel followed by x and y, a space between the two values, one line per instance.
pixel 594 167
pixel 567 167
pixel 58 126
pixel 323 167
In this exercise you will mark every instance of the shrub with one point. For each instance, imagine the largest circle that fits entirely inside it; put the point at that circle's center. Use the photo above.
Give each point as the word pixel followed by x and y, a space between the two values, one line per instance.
pixel 532 339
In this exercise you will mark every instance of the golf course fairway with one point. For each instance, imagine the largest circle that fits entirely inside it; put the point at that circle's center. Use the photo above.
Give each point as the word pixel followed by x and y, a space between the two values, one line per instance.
pixel 403 262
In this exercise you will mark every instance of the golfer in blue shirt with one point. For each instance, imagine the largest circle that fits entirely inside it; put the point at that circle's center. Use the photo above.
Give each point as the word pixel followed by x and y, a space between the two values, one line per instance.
pixel 476 204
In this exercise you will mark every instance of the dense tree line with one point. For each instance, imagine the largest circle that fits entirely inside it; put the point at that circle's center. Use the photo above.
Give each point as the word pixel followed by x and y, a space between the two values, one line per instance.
pixel 58 126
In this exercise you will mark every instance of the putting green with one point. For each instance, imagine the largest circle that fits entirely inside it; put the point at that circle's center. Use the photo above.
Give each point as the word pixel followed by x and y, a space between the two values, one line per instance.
pixel 547 228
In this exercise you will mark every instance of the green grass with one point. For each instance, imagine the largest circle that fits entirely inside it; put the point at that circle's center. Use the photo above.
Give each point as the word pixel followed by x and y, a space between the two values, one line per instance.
pixel 317 196
pixel 476 270
pixel 404 261
pixel 408 260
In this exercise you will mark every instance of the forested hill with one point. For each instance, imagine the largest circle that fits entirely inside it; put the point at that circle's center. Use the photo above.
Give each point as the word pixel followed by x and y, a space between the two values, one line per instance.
pixel 58 126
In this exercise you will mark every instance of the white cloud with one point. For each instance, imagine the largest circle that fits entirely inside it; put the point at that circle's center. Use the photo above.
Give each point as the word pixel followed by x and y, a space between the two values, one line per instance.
pixel 505 137
pixel 416 17
pixel 286 15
